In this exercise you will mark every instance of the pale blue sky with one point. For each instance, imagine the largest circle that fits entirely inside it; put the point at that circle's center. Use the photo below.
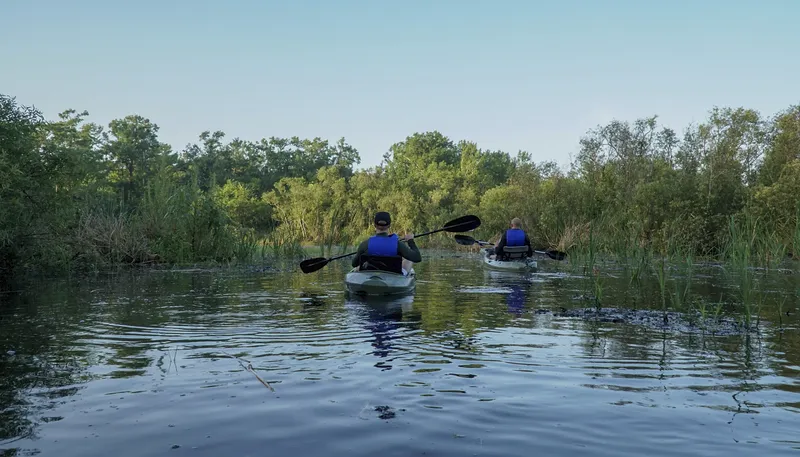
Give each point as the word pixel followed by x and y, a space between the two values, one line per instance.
pixel 509 75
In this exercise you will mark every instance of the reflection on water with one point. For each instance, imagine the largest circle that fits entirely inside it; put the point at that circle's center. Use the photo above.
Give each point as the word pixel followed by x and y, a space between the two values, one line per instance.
pixel 387 319
pixel 471 364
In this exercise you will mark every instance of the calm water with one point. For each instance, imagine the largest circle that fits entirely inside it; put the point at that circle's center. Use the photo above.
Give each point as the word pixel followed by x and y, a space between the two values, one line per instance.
pixel 143 364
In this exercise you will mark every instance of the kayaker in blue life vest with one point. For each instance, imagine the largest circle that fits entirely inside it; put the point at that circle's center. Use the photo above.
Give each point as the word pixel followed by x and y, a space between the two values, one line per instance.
pixel 386 245
pixel 514 236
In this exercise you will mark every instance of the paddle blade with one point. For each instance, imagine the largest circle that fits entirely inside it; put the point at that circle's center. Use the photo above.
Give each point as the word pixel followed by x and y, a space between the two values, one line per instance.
pixel 311 265
pixel 463 224
pixel 465 240
pixel 556 255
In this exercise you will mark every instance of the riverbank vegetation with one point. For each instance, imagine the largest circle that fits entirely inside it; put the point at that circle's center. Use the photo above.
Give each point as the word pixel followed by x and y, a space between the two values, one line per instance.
pixel 77 195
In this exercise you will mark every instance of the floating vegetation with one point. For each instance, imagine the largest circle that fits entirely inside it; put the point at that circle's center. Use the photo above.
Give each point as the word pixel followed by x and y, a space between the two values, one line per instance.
pixel 673 321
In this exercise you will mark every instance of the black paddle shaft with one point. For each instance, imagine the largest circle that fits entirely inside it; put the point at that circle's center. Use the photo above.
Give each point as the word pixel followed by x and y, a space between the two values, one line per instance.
pixel 468 240
pixel 461 224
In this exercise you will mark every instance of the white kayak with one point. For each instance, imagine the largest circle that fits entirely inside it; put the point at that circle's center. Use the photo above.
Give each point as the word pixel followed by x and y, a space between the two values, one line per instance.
pixel 375 282
pixel 521 265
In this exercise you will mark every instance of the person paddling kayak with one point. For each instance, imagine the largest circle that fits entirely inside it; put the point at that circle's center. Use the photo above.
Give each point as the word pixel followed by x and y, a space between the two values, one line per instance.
pixel 514 236
pixel 383 245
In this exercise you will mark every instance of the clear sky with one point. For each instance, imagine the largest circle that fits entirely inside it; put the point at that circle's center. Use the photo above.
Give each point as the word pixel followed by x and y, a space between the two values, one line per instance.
pixel 509 75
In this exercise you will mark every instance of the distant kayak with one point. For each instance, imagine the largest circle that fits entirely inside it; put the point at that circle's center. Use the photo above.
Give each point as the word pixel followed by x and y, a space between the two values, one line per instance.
pixel 520 265
pixel 374 282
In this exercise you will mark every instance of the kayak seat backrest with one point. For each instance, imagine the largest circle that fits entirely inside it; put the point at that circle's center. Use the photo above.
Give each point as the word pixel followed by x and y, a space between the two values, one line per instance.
pixel 515 252
pixel 393 263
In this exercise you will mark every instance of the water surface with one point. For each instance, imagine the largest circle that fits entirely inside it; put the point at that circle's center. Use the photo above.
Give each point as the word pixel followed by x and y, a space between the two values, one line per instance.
pixel 154 363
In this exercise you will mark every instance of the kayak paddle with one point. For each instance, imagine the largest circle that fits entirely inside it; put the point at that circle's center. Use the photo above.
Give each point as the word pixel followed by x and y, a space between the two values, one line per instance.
pixel 468 240
pixel 461 224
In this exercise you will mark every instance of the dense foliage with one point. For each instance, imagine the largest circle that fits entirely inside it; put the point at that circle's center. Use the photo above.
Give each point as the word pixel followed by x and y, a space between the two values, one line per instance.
pixel 73 193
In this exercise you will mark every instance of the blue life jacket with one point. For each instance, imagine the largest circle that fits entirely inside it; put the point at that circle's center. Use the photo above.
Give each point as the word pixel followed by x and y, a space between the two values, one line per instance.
pixel 515 237
pixel 385 246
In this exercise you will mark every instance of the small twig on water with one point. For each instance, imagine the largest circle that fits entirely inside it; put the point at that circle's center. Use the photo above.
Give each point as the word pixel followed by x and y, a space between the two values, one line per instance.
pixel 250 368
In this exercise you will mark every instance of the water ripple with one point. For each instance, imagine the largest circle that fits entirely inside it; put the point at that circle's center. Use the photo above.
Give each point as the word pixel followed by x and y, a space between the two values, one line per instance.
pixel 465 366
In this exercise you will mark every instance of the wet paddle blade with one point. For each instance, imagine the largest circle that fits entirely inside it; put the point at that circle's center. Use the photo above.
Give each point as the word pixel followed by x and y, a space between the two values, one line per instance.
pixel 311 265
pixel 463 224
pixel 556 255
pixel 465 240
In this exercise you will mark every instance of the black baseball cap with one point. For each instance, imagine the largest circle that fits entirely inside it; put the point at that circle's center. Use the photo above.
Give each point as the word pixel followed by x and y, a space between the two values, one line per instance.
pixel 383 219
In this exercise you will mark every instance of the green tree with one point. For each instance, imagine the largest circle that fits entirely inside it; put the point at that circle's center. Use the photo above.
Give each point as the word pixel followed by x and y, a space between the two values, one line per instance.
pixel 134 153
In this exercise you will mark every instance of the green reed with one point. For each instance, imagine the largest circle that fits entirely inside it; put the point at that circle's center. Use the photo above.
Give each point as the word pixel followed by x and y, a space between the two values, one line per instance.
pixel 334 235
pixel 283 243
pixel 590 254
pixel 598 288
pixel 739 253
pixel 771 250
pixel 718 309
pixel 683 284
pixel 245 246
pixel 641 259
pixel 661 270
pixel 796 240
pixel 705 312
pixel 702 310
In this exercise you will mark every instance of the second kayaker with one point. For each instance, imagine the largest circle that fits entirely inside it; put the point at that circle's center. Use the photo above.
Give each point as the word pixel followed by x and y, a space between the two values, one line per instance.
pixel 382 244
pixel 514 236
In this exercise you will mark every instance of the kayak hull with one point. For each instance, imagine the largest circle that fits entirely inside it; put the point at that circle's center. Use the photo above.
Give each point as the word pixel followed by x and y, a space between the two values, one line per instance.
pixel 526 265
pixel 379 283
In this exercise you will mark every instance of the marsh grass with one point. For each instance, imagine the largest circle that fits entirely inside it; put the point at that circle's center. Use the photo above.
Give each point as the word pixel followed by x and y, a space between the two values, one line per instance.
pixel 335 234
pixel 246 247
pixel 583 250
pixel 174 223
pixel 584 257
pixel 278 244
pixel 682 283
pixel 641 259
pixel 796 237
pixel 739 254
pixel 598 288
pixel 283 242
pixel 661 270
pixel 591 248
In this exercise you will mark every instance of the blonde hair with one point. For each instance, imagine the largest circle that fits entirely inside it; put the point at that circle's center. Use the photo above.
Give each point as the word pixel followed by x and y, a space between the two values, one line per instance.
pixel 516 222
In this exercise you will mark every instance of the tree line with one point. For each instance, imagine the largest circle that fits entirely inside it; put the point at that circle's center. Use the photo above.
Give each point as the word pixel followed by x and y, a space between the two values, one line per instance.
pixel 77 194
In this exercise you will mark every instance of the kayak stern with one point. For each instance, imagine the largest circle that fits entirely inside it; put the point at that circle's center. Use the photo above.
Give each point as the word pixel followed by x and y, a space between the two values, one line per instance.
pixel 526 265
pixel 379 283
